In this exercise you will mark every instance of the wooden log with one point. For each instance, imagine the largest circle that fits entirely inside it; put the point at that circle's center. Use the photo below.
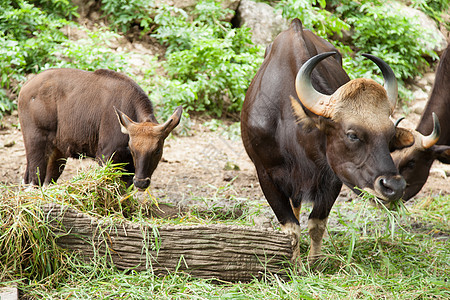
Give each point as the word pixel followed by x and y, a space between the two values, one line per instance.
pixel 230 253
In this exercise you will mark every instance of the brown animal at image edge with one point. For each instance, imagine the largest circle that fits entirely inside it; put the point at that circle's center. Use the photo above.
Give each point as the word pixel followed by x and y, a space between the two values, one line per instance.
pixel 432 134
pixel 68 112
pixel 344 134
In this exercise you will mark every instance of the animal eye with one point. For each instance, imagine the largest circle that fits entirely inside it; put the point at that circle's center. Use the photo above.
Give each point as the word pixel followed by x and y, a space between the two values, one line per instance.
pixel 411 164
pixel 352 136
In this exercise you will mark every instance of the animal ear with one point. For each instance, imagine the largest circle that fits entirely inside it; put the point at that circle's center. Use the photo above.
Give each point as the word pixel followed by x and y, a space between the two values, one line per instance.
pixel 124 121
pixel 325 124
pixel 403 138
pixel 300 114
pixel 172 122
pixel 442 152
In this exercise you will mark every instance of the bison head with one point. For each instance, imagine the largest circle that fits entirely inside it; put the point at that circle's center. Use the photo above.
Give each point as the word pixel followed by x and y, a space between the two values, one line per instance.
pixel 359 133
pixel 146 141
pixel 414 162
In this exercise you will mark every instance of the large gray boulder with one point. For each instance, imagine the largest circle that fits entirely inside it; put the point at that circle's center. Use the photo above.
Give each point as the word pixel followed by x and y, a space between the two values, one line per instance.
pixel 264 22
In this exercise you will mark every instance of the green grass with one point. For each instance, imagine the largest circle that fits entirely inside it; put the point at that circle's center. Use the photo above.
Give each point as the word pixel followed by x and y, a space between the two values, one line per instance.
pixel 370 253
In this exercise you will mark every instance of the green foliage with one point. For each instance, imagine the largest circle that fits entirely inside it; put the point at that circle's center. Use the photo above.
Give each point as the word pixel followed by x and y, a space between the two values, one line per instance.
pixel 123 14
pixel 314 16
pixel 35 32
pixel 228 131
pixel 12 62
pixel 6 105
pixel 59 8
pixel 395 38
pixel 382 31
pixel 88 54
pixel 209 64
pixel 31 41
pixel 377 28
pixel 433 8
pixel 28 36
pixel 174 30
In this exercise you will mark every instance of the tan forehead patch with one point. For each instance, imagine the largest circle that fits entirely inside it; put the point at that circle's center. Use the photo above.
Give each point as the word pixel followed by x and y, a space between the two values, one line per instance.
pixel 144 136
pixel 144 128
pixel 363 101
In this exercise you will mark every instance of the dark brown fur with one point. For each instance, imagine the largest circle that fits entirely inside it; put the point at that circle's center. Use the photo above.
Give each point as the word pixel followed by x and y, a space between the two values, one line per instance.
pixel 296 161
pixel 414 163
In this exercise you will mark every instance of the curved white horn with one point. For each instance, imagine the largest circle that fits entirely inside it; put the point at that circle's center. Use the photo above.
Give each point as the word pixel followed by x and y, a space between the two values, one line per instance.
pixel 309 97
pixel 431 140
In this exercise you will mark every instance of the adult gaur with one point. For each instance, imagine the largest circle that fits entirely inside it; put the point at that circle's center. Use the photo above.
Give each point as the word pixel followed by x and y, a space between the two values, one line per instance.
pixel 308 128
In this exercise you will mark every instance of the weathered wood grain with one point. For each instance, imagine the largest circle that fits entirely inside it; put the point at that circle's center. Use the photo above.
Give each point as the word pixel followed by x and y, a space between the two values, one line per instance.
pixel 231 253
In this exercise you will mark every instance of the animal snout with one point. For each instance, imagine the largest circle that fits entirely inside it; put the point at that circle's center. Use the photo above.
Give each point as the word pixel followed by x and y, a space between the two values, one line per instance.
pixel 141 183
pixel 390 187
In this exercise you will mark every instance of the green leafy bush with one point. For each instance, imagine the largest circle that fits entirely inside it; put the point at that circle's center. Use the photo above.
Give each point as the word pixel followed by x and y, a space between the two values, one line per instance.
pixel 174 30
pixel 434 9
pixel 217 73
pixel 35 31
pixel 88 54
pixel 393 37
pixel 313 17
pixel 27 38
pixel 209 64
pixel 123 14
pixel 59 8
pixel 31 40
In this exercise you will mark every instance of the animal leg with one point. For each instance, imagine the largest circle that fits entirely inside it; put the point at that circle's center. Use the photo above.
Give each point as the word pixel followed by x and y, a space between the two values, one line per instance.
pixel 55 166
pixel 281 206
pixel 316 230
pixel 36 160
pixel 317 221
pixel 26 177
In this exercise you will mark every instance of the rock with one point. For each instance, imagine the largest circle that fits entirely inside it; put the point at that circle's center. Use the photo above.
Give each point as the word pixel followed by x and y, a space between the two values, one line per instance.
pixel 74 33
pixel 421 82
pixel 440 172
pixel 230 4
pixel 136 60
pixel 141 48
pixel 264 22
pixel 419 106
pixel 86 8
pixel 183 4
pixel 429 77
pixel 117 41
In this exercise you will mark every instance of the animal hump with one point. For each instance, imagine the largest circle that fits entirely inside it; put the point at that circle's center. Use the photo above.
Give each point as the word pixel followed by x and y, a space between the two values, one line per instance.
pixel 113 74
